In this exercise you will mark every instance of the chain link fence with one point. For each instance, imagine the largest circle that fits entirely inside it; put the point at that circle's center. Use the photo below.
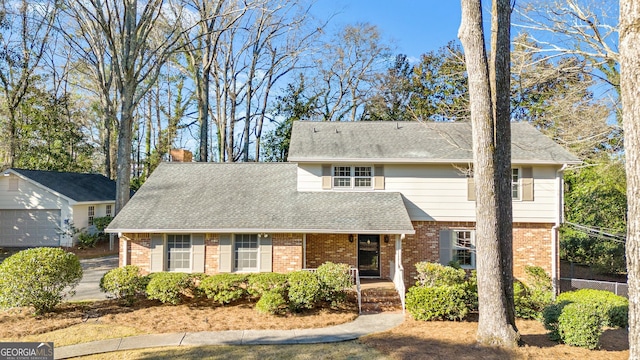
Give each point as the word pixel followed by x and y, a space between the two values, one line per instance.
pixel 618 288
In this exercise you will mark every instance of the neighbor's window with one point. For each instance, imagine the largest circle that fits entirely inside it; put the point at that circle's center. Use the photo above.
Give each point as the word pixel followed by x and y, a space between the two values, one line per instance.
pixel 179 252
pixel 464 248
pixel 515 183
pixel 91 213
pixel 246 252
pixel 109 211
pixel 352 177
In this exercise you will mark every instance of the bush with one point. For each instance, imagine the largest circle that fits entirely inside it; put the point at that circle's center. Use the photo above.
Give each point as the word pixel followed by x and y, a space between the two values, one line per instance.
pixel 38 277
pixel 169 287
pixel 124 283
pixel 432 274
pixel 87 240
pixel 580 324
pixel 613 309
pixel 531 298
pixel 445 302
pixel 304 290
pixel 260 283
pixel 102 222
pixel 224 288
pixel 271 302
pixel 334 280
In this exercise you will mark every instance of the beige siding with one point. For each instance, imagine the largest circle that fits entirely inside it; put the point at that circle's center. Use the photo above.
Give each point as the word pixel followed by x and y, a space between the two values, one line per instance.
pixel 309 177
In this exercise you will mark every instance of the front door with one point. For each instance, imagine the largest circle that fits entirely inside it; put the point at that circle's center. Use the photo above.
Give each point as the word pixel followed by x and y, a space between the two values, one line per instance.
pixel 369 255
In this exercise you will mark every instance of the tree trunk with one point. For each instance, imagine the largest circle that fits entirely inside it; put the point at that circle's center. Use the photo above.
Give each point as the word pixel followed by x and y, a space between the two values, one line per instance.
pixel 495 323
pixel 123 167
pixel 629 84
pixel 203 114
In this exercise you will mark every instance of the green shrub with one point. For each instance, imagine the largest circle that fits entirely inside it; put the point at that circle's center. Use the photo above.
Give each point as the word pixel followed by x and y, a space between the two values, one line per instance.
pixel 86 240
pixel 433 274
pixel 304 290
pixel 224 288
pixel 261 283
pixel 613 309
pixel 124 283
pixel 445 302
pixel 580 324
pixel 550 316
pixel 334 281
pixel 271 302
pixel 169 287
pixel 102 222
pixel 529 303
pixel 38 277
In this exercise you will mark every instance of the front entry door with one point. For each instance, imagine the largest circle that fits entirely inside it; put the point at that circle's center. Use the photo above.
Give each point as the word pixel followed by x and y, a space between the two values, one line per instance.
pixel 369 255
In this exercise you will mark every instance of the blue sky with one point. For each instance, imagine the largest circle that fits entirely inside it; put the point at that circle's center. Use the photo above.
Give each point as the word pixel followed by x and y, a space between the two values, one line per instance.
pixel 412 27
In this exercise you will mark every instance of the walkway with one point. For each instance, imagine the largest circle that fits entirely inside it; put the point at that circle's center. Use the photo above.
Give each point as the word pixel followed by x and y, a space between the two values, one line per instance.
pixel 93 270
pixel 363 325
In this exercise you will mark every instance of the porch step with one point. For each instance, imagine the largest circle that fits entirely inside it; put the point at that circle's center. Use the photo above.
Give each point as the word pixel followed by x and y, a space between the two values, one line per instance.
pixel 376 300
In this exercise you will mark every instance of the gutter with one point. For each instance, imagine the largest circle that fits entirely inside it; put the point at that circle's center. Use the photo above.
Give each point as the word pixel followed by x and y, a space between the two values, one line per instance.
pixel 555 228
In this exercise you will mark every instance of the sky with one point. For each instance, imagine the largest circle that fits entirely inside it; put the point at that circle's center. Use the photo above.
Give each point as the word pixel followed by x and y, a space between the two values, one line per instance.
pixel 412 27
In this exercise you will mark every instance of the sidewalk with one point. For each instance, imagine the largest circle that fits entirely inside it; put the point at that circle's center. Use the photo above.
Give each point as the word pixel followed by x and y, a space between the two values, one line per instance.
pixel 363 325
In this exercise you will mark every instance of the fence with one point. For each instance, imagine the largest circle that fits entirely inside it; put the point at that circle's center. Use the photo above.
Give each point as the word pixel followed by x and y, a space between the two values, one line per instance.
pixel 618 288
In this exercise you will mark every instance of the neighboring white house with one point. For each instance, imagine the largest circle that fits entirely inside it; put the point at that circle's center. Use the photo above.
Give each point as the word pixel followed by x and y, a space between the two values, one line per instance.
pixel 40 208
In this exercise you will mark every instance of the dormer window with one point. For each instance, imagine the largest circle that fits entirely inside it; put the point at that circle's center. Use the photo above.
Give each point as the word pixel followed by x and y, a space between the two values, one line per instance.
pixel 352 177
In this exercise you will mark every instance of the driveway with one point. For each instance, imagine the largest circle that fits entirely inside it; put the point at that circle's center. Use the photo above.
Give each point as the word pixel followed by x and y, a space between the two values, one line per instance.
pixel 93 269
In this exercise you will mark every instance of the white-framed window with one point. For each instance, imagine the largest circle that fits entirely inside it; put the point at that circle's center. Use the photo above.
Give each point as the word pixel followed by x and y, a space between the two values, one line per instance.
pixel 109 211
pixel 463 248
pixel 515 183
pixel 352 177
pixel 91 213
pixel 179 252
pixel 246 251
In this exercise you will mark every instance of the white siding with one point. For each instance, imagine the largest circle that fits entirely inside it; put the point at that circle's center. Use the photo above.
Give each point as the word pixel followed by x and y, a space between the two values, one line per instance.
pixel 81 213
pixel 439 192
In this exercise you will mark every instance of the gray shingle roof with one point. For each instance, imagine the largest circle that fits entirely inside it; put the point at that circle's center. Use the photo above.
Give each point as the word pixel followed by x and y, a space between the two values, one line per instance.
pixel 409 141
pixel 76 186
pixel 215 197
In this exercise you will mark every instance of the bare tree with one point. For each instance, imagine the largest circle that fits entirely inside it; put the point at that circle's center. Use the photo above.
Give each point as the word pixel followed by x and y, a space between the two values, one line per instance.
pixel 629 84
pixel 490 121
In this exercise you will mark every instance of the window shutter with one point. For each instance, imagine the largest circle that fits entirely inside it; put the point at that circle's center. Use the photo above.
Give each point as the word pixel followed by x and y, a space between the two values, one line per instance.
pixel 157 253
pixel 225 254
pixel 378 179
pixel 266 253
pixel 326 177
pixel 197 251
pixel 445 246
pixel 527 184
pixel 471 189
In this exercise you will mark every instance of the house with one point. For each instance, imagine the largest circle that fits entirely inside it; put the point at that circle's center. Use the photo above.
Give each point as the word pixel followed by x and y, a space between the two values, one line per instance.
pixel 379 196
pixel 40 208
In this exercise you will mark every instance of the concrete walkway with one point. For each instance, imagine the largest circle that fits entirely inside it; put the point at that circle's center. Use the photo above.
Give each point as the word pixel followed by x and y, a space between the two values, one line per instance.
pixel 363 325
pixel 92 272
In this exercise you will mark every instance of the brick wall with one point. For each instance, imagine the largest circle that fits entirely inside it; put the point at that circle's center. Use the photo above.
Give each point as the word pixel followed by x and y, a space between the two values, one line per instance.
pixel 211 242
pixel 287 252
pixel 531 247
pixel 138 251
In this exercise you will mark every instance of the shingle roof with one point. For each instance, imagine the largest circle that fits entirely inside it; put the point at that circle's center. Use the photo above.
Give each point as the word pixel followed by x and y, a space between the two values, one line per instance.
pixel 76 186
pixel 215 197
pixel 410 141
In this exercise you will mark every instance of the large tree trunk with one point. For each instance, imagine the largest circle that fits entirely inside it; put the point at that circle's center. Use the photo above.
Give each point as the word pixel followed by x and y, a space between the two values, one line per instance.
pixel 123 167
pixel 629 85
pixel 495 323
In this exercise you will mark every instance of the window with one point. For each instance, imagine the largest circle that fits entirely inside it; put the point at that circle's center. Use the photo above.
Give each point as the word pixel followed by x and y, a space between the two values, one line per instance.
pixel 352 177
pixel 91 213
pixel 515 183
pixel 178 252
pixel 464 249
pixel 246 252
pixel 109 211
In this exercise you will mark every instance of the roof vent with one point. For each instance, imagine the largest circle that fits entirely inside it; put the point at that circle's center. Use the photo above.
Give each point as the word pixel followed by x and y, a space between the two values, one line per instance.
pixel 314 130
pixel 337 132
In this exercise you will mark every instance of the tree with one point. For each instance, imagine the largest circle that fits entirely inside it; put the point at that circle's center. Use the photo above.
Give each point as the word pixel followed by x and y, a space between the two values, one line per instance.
pixel 489 92
pixel 629 85
pixel 392 91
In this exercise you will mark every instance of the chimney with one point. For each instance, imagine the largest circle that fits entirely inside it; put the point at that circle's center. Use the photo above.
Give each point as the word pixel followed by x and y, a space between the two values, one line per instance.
pixel 180 155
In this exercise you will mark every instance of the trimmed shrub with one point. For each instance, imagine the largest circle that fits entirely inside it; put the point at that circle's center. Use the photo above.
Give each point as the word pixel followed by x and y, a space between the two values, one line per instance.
pixel 334 280
pixel 531 298
pixel 260 283
pixel 433 274
pixel 580 324
pixel 87 240
pixel 124 283
pixel 613 309
pixel 271 302
pixel 169 287
pixel 224 288
pixel 550 316
pixel 304 290
pixel 446 302
pixel 38 277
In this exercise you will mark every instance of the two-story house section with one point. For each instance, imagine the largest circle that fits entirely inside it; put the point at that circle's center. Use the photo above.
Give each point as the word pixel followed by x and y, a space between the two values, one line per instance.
pixel 379 196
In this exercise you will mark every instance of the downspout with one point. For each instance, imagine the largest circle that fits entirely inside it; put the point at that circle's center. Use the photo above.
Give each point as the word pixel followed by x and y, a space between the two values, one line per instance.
pixel 555 229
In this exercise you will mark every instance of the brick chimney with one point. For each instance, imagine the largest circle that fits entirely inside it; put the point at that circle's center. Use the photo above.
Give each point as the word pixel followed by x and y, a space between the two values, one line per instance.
pixel 180 155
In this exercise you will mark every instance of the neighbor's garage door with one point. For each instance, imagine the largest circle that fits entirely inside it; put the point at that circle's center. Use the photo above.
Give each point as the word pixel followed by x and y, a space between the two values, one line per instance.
pixel 29 227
